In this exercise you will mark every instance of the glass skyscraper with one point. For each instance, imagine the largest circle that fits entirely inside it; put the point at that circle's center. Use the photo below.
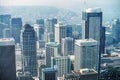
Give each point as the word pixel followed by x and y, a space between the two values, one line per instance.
pixel 16 26
pixel 29 50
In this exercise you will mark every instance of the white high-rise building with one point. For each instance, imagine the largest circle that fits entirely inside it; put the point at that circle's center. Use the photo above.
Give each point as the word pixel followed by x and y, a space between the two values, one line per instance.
pixel 62 64
pixel 86 54
pixel 67 46
pixel 52 49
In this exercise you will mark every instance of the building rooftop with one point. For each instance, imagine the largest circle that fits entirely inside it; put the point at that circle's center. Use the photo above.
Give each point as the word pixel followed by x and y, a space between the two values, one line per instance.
pixel 85 71
pixel 93 10
pixel 67 38
pixel 68 76
pixel 60 25
pixel 86 42
pixel 49 70
pixel 60 57
pixel 53 44
pixel 7 41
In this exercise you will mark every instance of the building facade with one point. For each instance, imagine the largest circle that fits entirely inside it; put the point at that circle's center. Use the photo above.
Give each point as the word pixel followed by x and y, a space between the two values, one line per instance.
pixel 62 63
pixel 7 59
pixel 39 31
pixel 92 28
pixel 5 19
pixel 86 54
pixel 62 31
pixel 87 74
pixel 49 74
pixel 50 29
pixel 29 50
pixel 16 26
pixel 52 49
pixel 116 30
pixel 67 46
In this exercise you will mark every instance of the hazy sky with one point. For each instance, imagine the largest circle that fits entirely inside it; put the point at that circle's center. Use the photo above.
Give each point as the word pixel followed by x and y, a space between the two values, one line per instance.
pixel 37 2
pixel 58 3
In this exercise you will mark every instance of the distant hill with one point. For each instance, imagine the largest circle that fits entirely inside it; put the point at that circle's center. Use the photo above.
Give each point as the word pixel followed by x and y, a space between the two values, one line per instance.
pixel 31 13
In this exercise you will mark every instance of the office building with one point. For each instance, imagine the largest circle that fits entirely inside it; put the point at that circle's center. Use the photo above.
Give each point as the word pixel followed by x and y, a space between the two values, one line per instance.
pixel 40 22
pixel 2 27
pixel 82 74
pixel 49 74
pixel 39 31
pixel 47 36
pixel 52 49
pixel 87 74
pixel 41 44
pixel 7 59
pixel 50 25
pixel 62 63
pixel 67 46
pixel 7 33
pixel 92 28
pixel 86 54
pixel 92 25
pixel 62 31
pixel 116 30
pixel 70 76
pixel 5 19
pixel 29 50
pixel 41 66
pixel 16 26
pixel 77 31
pixel 25 76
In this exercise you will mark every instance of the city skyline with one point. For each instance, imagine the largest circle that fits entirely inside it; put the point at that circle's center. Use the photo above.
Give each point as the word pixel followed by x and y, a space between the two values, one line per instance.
pixel 58 39
pixel 60 3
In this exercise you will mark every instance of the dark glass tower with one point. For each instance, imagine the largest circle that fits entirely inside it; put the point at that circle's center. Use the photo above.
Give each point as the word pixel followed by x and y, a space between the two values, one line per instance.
pixel 92 28
pixel 29 50
pixel 7 59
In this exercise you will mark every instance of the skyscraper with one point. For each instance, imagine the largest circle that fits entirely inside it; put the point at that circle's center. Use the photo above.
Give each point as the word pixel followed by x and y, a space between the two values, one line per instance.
pixel 7 59
pixel 67 46
pixel 16 26
pixel 49 74
pixel 92 26
pixel 86 54
pixel 116 30
pixel 39 32
pixel 62 31
pixel 62 63
pixel 5 19
pixel 50 25
pixel 92 23
pixel 52 49
pixel 40 22
pixel 6 33
pixel 29 50
pixel 2 27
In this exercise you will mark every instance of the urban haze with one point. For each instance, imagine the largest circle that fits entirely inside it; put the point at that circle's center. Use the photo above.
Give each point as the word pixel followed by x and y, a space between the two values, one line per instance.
pixel 59 40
